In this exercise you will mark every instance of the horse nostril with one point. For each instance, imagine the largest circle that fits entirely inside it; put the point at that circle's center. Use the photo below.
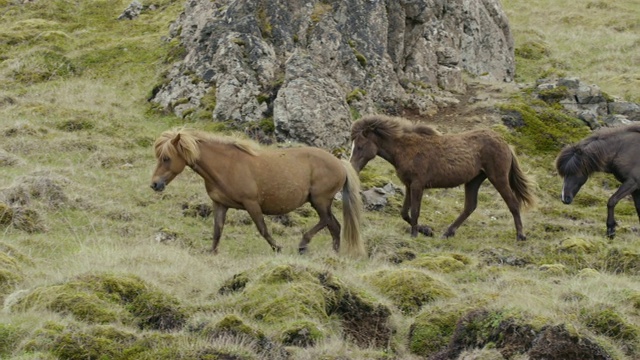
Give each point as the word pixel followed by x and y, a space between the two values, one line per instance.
pixel 157 186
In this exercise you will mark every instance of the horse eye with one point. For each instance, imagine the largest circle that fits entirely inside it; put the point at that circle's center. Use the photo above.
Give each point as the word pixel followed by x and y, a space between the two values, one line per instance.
pixel 166 159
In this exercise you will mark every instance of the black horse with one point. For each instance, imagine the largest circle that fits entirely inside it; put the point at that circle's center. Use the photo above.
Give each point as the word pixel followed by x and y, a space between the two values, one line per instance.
pixel 610 150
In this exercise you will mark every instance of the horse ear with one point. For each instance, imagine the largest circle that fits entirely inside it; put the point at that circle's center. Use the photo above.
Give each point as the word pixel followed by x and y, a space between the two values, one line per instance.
pixel 176 141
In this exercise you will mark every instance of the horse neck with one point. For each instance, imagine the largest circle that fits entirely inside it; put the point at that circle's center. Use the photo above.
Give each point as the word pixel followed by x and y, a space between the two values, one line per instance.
pixel 389 150
pixel 211 171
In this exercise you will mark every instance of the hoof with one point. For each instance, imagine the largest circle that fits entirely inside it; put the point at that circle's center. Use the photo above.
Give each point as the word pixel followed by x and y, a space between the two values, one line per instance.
pixel 277 249
pixel 521 238
pixel 425 230
pixel 611 234
pixel 302 250
pixel 448 234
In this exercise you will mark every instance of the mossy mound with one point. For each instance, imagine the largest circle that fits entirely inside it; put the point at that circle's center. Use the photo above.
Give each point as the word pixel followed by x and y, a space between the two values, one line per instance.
pixel 231 325
pixel 10 337
pixel 74 342
pixel 622 261
pixel 553 269
pixel 606 320
pixel 28 220
pixel 294 301
pixel 514 337
pixel 556 343
pixel 6 214
pixel 506 332
pixel 542 128
pixel 302 333
pixel 432 330
pixel 440 263
pixel 108 298
pixel 10 272
pixel 409 289
pixel 579 245
pixel 46 188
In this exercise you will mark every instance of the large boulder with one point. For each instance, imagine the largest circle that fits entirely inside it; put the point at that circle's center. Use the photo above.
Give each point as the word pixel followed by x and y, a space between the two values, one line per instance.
pixel 310 68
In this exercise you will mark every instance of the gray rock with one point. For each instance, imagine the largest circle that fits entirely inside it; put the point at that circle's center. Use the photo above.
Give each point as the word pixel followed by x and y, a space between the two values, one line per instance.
pixel 374 199
pixel 132 11
pixel 628 109
pixel 298 62
pixel 615 120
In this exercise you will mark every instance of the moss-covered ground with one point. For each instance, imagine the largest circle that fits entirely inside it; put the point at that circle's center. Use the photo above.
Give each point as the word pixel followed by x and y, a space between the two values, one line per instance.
pixel 94 264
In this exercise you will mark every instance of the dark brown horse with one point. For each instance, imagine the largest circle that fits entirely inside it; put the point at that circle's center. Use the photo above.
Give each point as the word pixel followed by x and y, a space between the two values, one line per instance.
pixel 610 150
pixel 238 174
pixel 424 158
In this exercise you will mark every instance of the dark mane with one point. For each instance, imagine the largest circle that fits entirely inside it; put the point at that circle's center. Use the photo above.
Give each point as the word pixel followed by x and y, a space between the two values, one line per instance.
pixel 390 127
pixel 589 155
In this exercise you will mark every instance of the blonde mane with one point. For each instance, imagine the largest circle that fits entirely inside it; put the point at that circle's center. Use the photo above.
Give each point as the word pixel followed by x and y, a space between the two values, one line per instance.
pixel 187 144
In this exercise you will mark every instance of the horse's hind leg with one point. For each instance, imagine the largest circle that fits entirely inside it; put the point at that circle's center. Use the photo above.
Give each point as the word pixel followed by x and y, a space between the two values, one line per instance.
pixel 470 203
pixel 219 218
pixel 324 213
pixel 636 201
pixel 254 210
pixel 502 185
pixel 625 189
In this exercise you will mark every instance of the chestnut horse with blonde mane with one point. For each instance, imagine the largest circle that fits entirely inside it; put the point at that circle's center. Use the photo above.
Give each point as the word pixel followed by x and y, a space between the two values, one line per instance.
pixel 240 175
pixel 424 158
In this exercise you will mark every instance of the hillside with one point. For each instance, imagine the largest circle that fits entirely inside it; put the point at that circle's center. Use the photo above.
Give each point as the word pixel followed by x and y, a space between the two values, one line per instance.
pixel 95 264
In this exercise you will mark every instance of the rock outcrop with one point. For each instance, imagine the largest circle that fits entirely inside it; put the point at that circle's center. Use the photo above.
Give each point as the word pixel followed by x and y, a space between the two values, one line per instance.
pixel 587 102
pixel 308 69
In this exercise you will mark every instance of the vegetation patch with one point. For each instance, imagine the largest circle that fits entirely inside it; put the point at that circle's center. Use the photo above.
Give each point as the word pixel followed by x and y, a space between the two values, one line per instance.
pixel 545 129
pixel 496 329
pixel 6 214
pixel 605 320
pixel 108 298
pixel 440 263
pixel 302 333
pixel 532 50
pixel 10 337
pixel 620 261
pixel 409 289
pixel 432 330
pixel 42 65
pixel 294 299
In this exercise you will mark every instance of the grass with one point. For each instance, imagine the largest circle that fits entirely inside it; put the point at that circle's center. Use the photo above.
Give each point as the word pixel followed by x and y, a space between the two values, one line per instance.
pixel 594 40
pixel 81 131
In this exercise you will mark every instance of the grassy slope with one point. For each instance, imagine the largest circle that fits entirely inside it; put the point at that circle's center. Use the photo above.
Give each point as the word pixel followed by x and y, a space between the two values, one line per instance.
pixel 595 40
pixel 101 73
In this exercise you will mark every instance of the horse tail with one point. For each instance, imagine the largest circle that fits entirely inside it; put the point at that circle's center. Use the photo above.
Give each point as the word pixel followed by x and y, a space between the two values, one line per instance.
pixel 521 184
pixel 352 212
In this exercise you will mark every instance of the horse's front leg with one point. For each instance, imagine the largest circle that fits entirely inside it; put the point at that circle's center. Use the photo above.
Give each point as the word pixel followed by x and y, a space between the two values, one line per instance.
pixel 406 205
pixel 404 212
pixel 416 202
pixel 636 201
pixel 220 215
pixel 255 211
pixel 625 189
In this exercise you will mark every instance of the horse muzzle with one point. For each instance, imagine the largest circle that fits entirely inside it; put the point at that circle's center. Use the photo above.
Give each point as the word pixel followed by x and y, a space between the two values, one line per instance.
pixel 567 199
pixel 158 186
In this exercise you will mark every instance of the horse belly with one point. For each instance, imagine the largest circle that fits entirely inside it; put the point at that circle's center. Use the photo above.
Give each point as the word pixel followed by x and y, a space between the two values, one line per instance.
pixel 278 201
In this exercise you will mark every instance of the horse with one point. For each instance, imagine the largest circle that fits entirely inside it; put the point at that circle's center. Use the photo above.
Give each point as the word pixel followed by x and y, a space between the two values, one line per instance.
pixel 424 158
pixel 239 174
pixel 611 150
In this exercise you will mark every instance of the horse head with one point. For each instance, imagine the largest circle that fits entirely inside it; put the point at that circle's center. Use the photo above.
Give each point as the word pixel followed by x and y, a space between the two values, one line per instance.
pixel 573 167
pixel 173 151
pixel 571 186
pixel 363 149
